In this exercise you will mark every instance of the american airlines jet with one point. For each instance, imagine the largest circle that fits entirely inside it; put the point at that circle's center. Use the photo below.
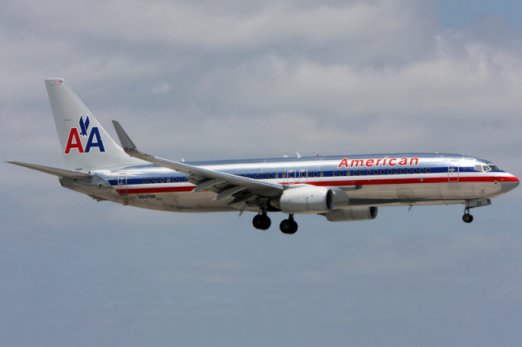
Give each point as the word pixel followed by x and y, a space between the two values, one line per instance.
pixel 339 188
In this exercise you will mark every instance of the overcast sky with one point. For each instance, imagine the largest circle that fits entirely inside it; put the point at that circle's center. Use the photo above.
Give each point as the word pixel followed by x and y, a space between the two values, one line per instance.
pixel 239 79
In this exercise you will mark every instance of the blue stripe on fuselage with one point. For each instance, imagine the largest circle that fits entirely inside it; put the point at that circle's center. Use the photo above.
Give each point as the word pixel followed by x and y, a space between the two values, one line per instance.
pixel 271 174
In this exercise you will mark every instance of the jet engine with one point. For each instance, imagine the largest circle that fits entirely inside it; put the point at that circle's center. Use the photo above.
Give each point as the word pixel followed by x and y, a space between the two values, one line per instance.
pixel 352 213
pixel 307 199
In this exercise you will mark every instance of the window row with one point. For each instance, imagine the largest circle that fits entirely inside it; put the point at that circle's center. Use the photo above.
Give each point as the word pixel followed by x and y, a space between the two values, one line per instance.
pixel 304 174
pixel 165 180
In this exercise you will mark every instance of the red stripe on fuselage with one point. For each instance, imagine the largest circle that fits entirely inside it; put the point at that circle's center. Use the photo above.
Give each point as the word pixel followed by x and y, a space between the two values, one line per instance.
pixel 422 180
pixel 156 190
pixel 360 182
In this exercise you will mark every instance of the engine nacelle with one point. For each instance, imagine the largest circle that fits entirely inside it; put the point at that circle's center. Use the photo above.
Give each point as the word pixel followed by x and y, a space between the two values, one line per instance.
pixel 352 213
pixel 307 199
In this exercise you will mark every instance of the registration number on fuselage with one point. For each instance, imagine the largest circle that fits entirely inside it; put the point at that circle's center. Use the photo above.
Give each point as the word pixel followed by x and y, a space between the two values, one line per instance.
pixel 147 196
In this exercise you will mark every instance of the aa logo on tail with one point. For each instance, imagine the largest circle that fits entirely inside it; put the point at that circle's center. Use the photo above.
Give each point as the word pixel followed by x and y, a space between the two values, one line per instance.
pixel 74 140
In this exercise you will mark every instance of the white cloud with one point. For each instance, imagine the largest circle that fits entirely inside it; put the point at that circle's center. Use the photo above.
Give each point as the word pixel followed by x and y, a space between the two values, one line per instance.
pixel 218 25
pixel 332 77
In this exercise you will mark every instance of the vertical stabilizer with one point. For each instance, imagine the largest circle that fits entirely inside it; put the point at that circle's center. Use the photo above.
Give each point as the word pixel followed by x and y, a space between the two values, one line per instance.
pixel 85 143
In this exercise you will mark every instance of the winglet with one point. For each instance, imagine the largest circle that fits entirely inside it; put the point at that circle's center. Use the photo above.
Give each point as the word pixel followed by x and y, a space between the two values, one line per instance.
pixel 125 140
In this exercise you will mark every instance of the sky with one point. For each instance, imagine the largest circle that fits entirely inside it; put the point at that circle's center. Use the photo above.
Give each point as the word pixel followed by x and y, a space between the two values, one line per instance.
pixel 232 79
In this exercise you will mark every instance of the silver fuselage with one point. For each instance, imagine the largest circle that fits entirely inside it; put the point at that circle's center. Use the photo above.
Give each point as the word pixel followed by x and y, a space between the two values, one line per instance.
pixel 368 180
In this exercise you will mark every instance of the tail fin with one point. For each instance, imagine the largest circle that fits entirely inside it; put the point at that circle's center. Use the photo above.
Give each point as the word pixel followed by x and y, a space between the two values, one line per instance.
pixel 85 144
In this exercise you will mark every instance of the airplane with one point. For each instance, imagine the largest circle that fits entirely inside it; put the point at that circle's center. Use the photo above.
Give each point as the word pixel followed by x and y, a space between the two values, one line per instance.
pixel 340 188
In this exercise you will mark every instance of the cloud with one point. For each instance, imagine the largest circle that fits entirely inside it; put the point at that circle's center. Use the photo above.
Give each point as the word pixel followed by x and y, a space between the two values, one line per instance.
pixel 230 79
pixel 346 76
pixel 220 25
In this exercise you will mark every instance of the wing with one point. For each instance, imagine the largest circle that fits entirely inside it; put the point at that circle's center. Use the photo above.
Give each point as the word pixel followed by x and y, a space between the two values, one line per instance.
pixel 225 184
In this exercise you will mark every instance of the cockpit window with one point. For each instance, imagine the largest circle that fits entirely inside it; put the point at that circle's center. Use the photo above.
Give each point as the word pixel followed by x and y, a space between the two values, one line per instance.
pixel 486 167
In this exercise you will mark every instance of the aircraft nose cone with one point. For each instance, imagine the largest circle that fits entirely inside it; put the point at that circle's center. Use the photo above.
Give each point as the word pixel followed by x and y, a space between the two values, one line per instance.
pixel 510 184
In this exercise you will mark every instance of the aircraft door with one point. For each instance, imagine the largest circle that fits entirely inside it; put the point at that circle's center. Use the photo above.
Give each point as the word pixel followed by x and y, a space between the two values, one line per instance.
pixel 121 186
pixel 454 171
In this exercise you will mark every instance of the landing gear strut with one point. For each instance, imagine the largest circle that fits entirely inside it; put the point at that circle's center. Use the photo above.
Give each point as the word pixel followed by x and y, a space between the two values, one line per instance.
pixel 261 221
pixel 288 226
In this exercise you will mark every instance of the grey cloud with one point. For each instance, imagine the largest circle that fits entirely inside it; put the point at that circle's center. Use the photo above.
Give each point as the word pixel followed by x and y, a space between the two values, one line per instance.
pixel 243 79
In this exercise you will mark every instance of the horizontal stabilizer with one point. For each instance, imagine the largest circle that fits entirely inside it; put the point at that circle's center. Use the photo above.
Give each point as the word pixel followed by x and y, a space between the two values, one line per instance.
pixel 53 170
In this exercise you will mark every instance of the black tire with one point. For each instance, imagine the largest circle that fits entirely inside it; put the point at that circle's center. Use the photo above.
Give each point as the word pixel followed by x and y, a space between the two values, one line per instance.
pixel 288 227
pixel 467 218
pixel 261 222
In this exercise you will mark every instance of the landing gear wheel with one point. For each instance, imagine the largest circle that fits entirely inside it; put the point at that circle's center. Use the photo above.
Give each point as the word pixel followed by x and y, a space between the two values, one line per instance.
pixel 288 226
pixel 261 222
pixel 467 218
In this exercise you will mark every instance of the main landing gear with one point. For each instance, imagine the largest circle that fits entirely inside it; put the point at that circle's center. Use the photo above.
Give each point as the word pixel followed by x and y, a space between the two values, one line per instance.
pixel 262 222
pixel 288 226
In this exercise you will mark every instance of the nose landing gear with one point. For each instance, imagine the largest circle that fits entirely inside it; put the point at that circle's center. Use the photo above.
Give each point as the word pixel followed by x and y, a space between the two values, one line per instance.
pixel 467 217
